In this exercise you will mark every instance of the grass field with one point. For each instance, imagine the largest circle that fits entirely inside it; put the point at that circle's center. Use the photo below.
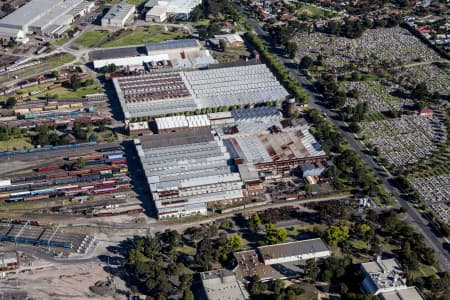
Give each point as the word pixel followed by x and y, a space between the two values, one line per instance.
pixel 314 12
pixel 62 41
pixel 63 92
pixel 15 144
pixel 152 34
pixel 92 38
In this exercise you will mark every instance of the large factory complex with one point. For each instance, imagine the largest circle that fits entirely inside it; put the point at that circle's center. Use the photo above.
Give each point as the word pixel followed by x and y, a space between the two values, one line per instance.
pixel 159 94
pixel 221 158
pixel 42 17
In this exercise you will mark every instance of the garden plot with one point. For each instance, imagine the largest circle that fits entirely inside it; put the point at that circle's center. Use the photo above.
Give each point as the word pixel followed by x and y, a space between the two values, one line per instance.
pixel 405 141
pixel 382 46
pixel 378 95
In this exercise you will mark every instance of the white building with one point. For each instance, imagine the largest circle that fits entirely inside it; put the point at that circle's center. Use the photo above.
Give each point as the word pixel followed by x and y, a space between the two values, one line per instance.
pixel 42 17
pixel 294 251
pixel 409 293
pixel 158 14
pixel 382 275
pixel 179 9
pixel 223 285
pixel 119 15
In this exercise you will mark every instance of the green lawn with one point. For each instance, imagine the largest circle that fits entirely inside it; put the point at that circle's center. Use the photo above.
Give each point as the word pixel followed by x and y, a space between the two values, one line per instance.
pixel 15 144
pixel 92 38
pixel 57 60
pixel 152 34
pixel 63 92
pixel 62 41
pixel 358 244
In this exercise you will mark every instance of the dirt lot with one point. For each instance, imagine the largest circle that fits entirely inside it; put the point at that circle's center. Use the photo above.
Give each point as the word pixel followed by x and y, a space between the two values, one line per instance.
pixel 58 282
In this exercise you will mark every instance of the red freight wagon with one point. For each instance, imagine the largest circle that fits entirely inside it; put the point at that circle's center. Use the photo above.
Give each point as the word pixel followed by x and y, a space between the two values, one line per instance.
pixel 79 172
pixel 60 175
pixel 48 168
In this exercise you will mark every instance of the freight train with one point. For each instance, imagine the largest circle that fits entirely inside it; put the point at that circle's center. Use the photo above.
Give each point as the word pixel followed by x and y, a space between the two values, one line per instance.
pixel 100 188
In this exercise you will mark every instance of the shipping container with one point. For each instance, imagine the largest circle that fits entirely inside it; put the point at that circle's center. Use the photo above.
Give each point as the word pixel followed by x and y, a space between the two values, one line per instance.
pixel 5 182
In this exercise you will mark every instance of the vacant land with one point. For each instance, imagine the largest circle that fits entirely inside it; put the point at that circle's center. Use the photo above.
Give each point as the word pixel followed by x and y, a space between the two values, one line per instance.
pixel 231 54
pixel 92 38
pixel 313 12
pixel 151 34
pixel 15 144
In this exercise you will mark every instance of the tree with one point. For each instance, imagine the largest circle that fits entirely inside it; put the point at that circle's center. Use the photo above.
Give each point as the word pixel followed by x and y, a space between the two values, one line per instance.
pixel 306 62
pixel 222 44
pixel 80 163
pixel 7 8
pixel 291 49
pixel 185 281
pixel 256 286
pixel 10 102
pixel 254 222
pixel 75 82
pixel 274 235
pixel 111 68
pixel 311 269
pixel 188 295
pixel 336 234
pixel 354 127
pixel 420 92
pixel 364 229
pixel 277 286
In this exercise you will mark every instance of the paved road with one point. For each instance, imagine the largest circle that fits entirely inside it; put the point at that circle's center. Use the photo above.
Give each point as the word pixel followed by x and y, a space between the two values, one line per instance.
pixel 413 216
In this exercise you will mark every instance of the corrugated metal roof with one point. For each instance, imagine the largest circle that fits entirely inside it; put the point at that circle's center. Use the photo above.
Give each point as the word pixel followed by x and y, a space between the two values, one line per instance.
pixel 173 44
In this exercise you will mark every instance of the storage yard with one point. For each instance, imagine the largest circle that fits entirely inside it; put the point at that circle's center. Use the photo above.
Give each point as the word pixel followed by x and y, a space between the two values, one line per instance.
pixel 46 237
pixel 91 181
pixel 176 92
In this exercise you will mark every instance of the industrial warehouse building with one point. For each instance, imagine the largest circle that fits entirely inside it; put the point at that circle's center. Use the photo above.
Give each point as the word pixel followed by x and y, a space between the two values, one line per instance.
pixel 279 261
pixel 161 10
pixel 160 94
pixel 119 15
pixel 188 170
pixel 169 55
pixel 42 17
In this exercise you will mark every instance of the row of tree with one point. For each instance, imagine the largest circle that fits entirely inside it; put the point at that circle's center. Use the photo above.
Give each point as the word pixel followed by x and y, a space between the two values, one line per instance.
pixel 278 68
